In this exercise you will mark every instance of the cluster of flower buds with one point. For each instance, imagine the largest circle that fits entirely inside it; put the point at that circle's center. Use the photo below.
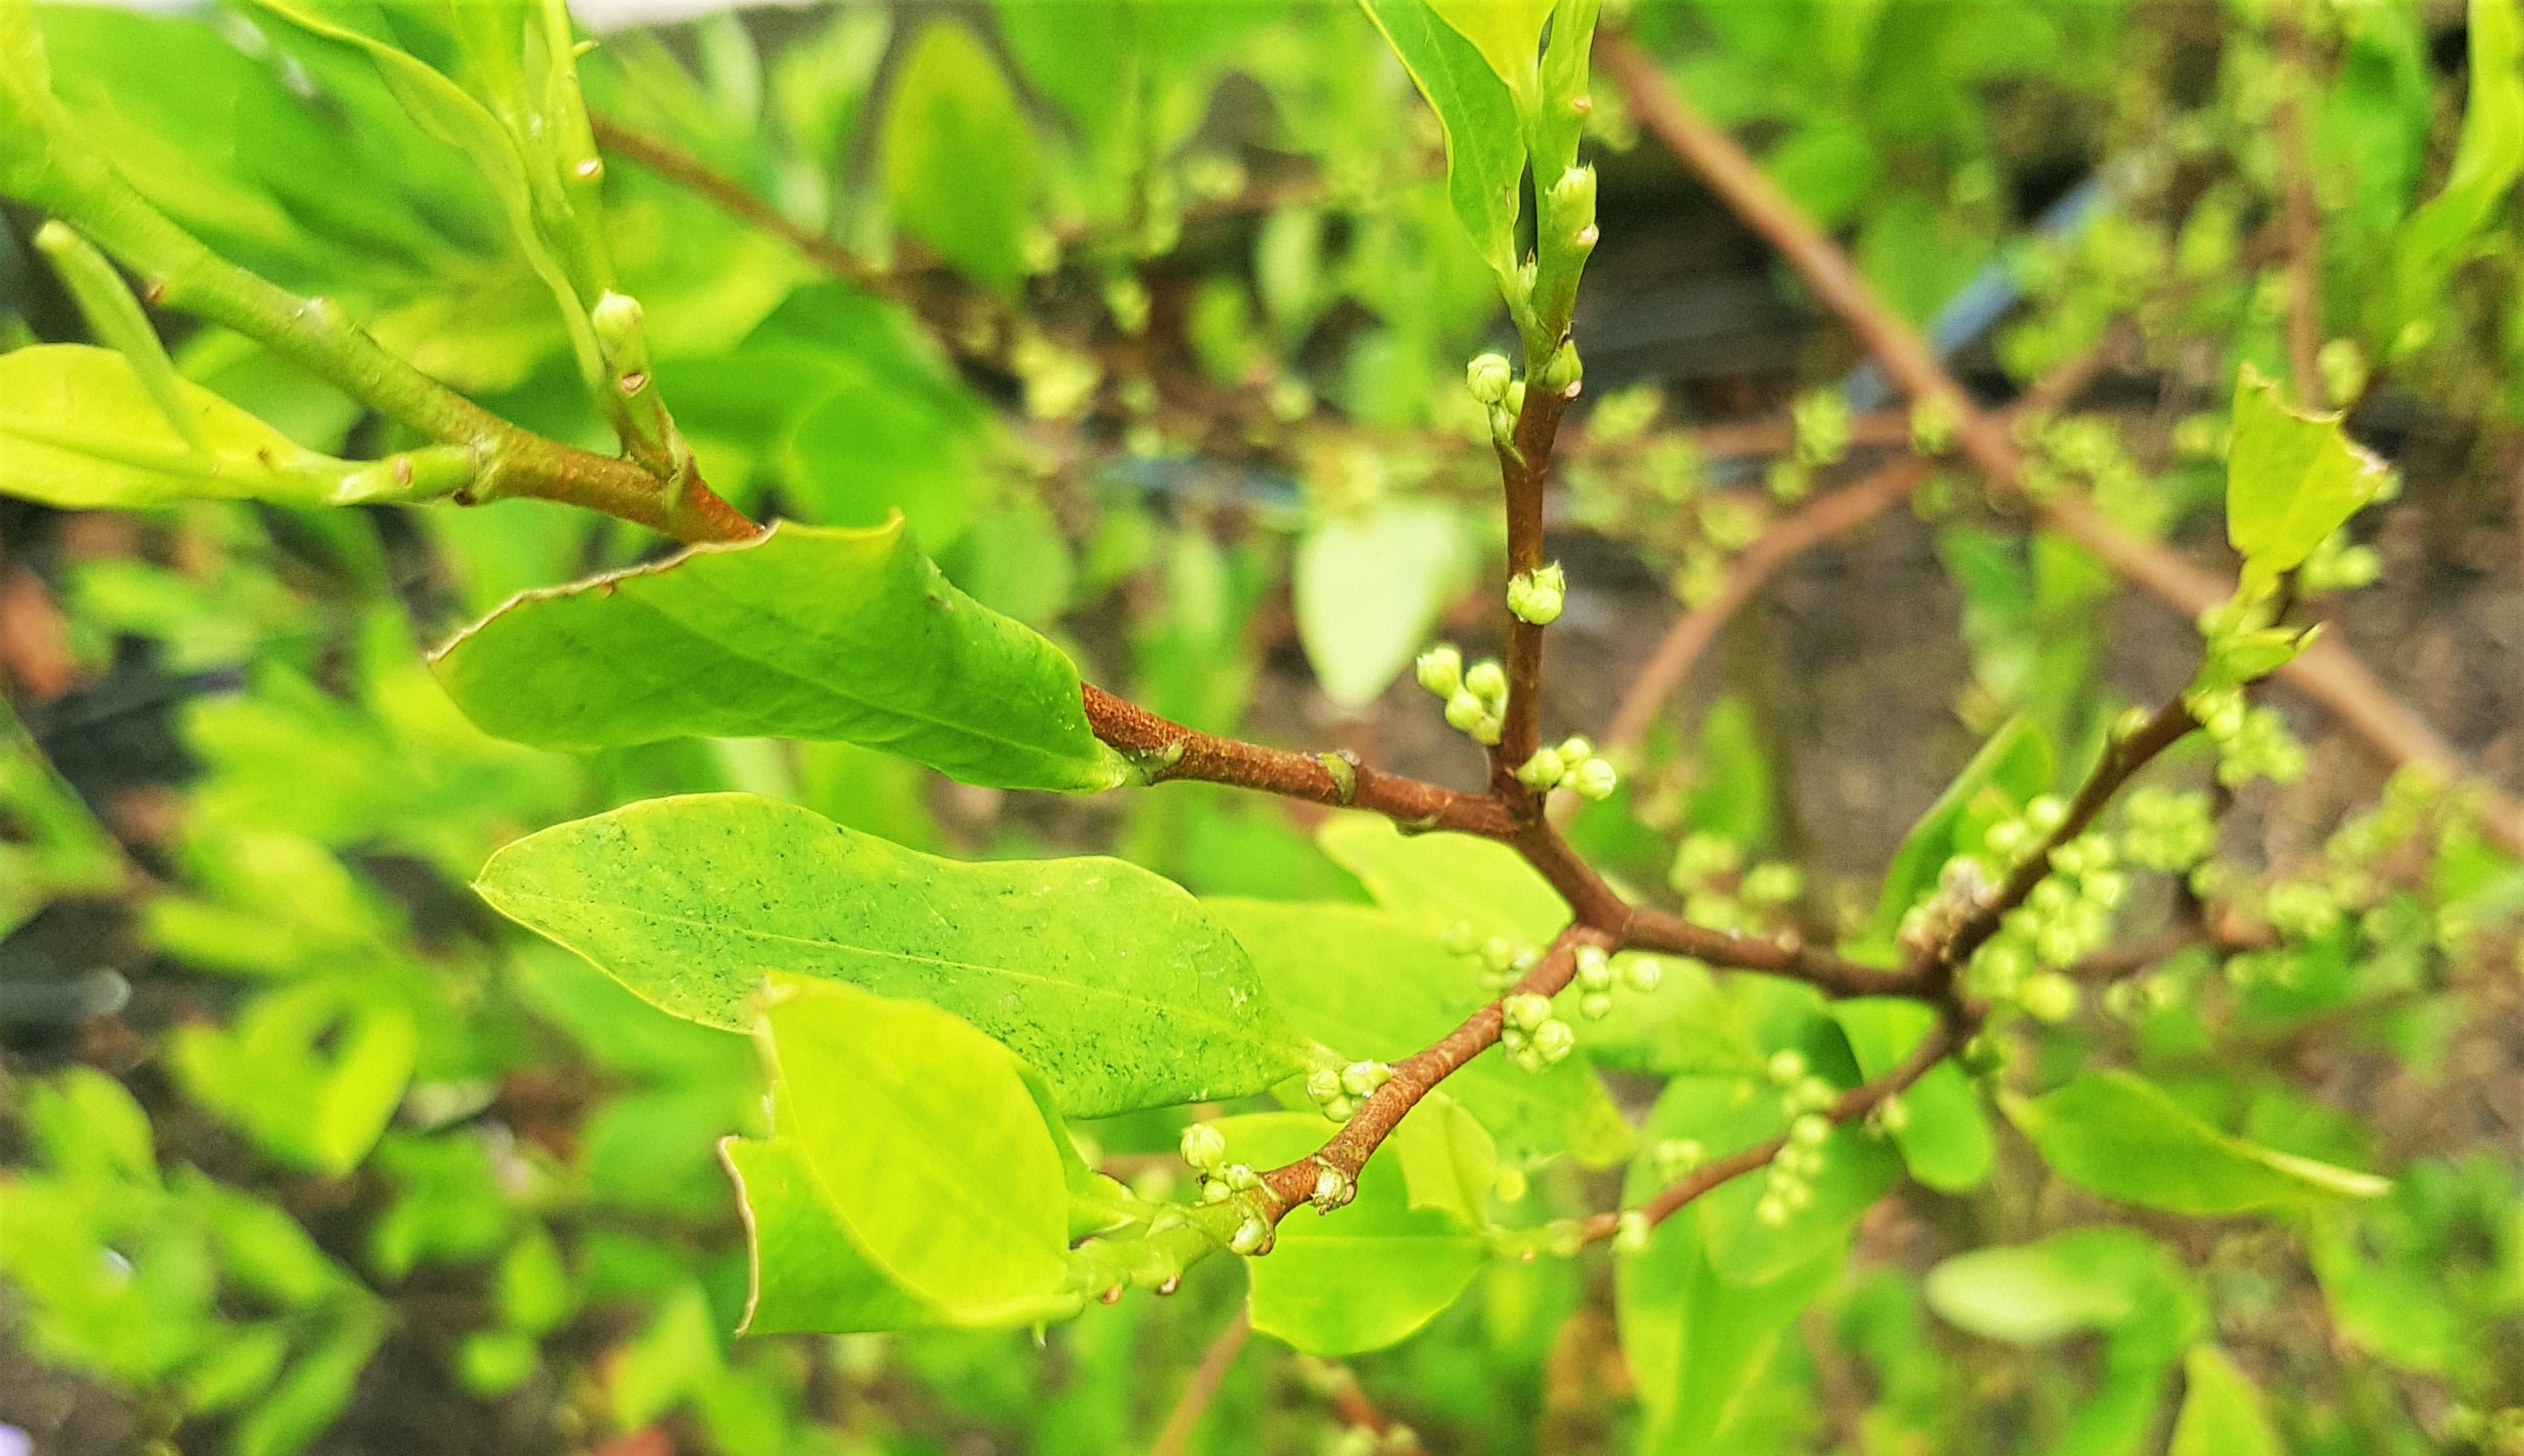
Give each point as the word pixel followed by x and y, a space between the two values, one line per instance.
pixel 1503 961
pixel 1535 1039
pixel 1205 1149
pixel 2168 829
pixel 1493 381
pixel 1572 765
pixel 2252 739
pixel 1475 696
pixel 1806 1099
pixel 1597 976
pixel 1537 596
pixel 1396 1440
pixel 1339 1091
pixel 2067 916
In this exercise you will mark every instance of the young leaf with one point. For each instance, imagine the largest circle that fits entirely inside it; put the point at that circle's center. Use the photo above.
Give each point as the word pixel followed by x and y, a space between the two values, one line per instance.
pixel 1362 1277
pixel 81 429
pixel 1484 147
pixel 807 1274
pixel 2291 481
pixel 1368 591
pixel 921 1139
pixel 1507 32
pixel 274 1075
pixel 2116 1135
pixel 799 633
pixel 960 156
pixel 1368 984
pixel 2085 1280
pixel 1109 980
pixel 1439 882
pixel 1945 1138
pixel 2221 1410
pixel 2486 159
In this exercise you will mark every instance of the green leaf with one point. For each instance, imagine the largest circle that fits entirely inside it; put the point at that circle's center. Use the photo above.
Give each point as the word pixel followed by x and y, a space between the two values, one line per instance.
pixel 1484 145
pixel 80 430
pixel 799 633
pixel 1368 590
pixel 806 1272
pixel 920 1137
pixel 2222 1413
pixel 959 159
pixel 1439 882
pixel 1363 1277
pixel 2292 479
pixel 1697 1342
pixel 90 1125
pixel 1736 794
pixel 2082 1281
pixel 1507 32
pixel 2486 159
pixel 2114 1134
pixel 314 1072
pixel 1946 1139
pixel 1370 985
pixel 1726 1113
pixel 1107 979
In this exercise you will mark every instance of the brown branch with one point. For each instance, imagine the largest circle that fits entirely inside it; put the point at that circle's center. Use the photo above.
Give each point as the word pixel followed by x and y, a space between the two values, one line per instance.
pixel 2327 672
pixel 1166 750
pixel 1202 1387
pixel 1851 1105
pixel 733 198
pixel 1787 955
pixel 1523 466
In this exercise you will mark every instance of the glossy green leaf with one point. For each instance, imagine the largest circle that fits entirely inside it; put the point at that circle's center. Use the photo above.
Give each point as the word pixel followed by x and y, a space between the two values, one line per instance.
pixel 1697 1342
pixel 1485 146
pixel 801 633
pixel 806 1272
pixel 87 1125
pixel 1107 979
pixel 1367 591
pixel 2222 1413
pixel 2078 1281
pixel 1727 1113
pixel 80 430
pixel 1368 984
pixel 1439 882
pixel 2114 1134
pixel 1946 1139
pixel 921 1139
pixel 960 156
pixel 1507 32
pixel 313 1072
pixel 2292 479
pixel 1366 1276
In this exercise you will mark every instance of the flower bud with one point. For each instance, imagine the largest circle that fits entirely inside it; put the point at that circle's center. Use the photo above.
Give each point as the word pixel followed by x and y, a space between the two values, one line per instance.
pixel 1574 194
pixel 1595 1005
pixel 1537 597
pixel 1787 1066
pixel 1893 1114
pixel 1204 1147
pixel 1333 1188
pixel 1813 1095
pixel 1322 1083
pixel 1594 779
pixel 1595 968
pixel 1465 711
pixel 1525 1010
pixel 1554 1040
pixel 1249 1235
pixel 616 319
pixel 1574 748
pixel 1488 376
pixel 1630 1233
pixel 2049 997
pixel 1486 681
pixel 1240 1177
pixel 1772 1210
pixel 1359 1079
pixel 1642 973
pixel 1679 1154
pixel 1542 771
pixel 1810 1131
pixel 2047 814
pixel 1441 670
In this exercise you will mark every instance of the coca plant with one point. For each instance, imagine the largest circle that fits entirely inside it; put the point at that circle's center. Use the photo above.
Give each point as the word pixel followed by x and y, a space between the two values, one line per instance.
pixel 937 1031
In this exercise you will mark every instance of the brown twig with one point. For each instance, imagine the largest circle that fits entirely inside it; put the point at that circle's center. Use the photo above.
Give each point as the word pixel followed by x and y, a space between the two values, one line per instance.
pixel 1851 1105
pixel 2301 215
pixel 1524 463
pixel 2326 672
pixel 735 199
pixel 1202 1387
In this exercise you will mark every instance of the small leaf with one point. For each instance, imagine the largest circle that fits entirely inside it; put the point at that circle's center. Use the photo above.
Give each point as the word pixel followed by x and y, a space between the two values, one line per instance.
pixel 920 1137
pixel 806 1272
pixel 959 158
pixel 1697 1342
pixel 2085 1280
pixel 799 633
pixel 1105 978
pixel 2291 479
pixel 1368 591
pixel 2116 1135
pixel 1484 145
pixel 1359 1277
pixel 2222 1413
pixel 2488 158
pixel 80 430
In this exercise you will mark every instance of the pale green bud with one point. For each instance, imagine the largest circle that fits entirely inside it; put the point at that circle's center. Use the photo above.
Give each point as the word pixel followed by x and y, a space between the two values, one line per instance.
pixel 1487 681
pixel 1203 1146
pixel 1333 1188
pixel 1574 748
pixel 1630 1233
pixel 1542 771
pixel 616 319
pixel 1893 1114
pixel 1465 711
pixel 1555 1039
pixel 1787 1066
pixel 1810 1131
pixel 1595 1005
pixel 1488 376
pixel 1772 1210
pixel 1240 1177
pixel 2049 997
pixel 1249 1235
pixel 2047 814
pixel 1642 972
pixel 1441 670
pixel 1813 1095
pixel 1538 597
pixel 1797 1194
pixel 1359 1079
pixel 1322 1083
pixel 1595 968
pixel 1527 1011
pixel 1594 779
